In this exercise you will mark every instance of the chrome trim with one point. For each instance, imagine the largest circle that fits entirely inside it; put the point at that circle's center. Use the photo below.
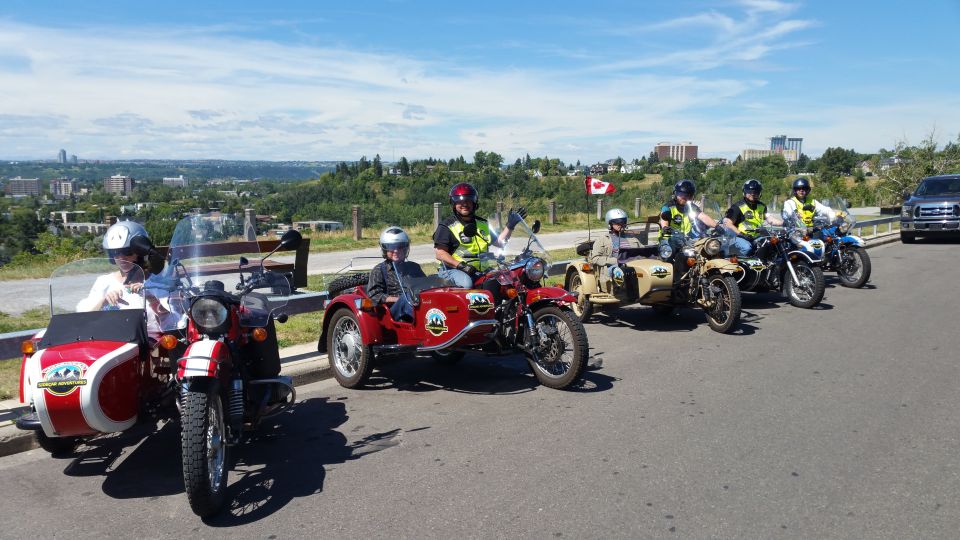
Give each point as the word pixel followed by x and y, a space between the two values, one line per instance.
pixel 460 334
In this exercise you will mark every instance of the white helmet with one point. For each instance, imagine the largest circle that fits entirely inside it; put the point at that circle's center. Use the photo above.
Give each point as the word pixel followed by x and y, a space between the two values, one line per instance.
pixel 116 241
pixel 393 238
pixel 615 214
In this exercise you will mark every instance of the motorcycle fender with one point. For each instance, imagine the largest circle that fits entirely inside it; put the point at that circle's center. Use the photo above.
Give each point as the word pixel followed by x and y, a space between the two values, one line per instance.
pixel 551 294
pixel 806 256
pixel 84 388
pixel 203 359
pixel 587 279
pixel 853 241
pixel 370 327
pixel 724 266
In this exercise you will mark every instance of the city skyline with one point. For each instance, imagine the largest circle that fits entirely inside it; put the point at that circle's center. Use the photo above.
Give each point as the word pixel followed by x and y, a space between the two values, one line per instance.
pixel 243 81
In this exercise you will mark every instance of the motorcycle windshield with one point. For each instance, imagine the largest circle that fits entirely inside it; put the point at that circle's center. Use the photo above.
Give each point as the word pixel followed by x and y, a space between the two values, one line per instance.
pixel 698 229
pixel 216 253
pixel 844 219
pixel 89 285
pixel 522 244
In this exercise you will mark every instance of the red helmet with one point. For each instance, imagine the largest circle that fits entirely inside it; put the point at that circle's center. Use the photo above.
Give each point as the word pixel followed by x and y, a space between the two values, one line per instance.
pixel 463 192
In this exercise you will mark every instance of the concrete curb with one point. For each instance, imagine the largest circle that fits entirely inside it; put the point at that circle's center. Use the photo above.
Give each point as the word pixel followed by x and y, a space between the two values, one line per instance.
pixel 303 368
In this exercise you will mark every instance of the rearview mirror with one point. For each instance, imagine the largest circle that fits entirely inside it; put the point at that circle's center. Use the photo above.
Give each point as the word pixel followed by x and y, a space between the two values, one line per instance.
pixel 291 239
pixel 536 226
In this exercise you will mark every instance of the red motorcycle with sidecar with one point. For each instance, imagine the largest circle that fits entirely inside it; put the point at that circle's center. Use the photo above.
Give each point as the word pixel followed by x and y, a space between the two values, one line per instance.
pixel 531 318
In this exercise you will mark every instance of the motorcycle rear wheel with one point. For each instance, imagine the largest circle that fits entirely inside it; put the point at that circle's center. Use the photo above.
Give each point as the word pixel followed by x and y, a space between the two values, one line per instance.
pixel 854 268
pixel 351 360
pixel 582 308
pixel 726 311
pixel 812 285
pixel 565 357
pixel 204 447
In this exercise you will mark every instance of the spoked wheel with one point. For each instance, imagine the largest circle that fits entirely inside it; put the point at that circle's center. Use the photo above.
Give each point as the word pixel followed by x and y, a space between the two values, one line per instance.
pixel 582 308
pixel 57 446
pixel 204 446
pixel 561 355
pixel 447 358
pixel 854 268
pixel 351 360
pixel 725 311
pixel 809 291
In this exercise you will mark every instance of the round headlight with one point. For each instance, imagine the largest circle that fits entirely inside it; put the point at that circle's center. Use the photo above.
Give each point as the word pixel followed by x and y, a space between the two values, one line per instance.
pixel 689 252
pixel 208 313
pixel 712 247
pixel 665 251
pixel 535 269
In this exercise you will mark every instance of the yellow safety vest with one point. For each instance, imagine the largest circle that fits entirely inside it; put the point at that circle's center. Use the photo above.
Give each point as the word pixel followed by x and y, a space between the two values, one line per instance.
pixel 805 211
pixel 471 247
pixel 681 225
pixel 752 218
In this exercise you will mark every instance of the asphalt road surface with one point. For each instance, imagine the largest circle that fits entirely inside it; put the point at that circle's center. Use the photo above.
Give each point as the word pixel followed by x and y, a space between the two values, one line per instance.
pixel 838 422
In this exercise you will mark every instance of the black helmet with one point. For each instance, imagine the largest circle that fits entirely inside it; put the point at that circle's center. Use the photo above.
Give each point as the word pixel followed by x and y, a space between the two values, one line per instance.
pixel 685 187
pixel 464 192
pixel 801 183
pixel 752 186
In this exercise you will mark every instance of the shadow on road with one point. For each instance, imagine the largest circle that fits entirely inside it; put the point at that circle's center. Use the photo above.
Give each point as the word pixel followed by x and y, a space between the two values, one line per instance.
pixel 645 319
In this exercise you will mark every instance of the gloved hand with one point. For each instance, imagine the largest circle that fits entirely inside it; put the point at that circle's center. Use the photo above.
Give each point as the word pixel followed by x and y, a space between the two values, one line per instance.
pixel 667 231
pixel 470 270
pixel 514 216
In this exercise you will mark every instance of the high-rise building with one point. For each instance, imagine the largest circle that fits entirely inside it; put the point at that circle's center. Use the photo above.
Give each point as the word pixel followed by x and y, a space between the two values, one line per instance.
pixel 62 156
pixel 62 188
pixel 685 151
pixel 789 155
pixel 781 143
pixel 118 184
pixel 22 187
pixel 175 181
pixel 73 159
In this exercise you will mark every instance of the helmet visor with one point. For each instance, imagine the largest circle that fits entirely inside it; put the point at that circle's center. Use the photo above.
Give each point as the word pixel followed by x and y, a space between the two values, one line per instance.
pixel 395 246
pixel 618 221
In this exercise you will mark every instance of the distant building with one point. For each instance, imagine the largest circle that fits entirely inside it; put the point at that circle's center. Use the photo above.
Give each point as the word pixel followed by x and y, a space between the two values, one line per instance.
pixel 62 156
pixel 23 187
pixel 685 151
pixel 756 153
pixel 67 216
pixel 176 181
pixel 118 184
pixel 318 225
pixel 73 159
pixel 598 168
pixel 781 144
pixel 63 188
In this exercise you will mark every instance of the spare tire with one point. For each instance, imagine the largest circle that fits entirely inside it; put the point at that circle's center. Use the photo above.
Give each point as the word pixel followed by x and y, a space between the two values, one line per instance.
pixel 349 281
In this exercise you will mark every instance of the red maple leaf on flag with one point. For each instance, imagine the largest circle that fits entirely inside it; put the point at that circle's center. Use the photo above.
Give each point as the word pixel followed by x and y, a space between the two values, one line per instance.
pixel 596 186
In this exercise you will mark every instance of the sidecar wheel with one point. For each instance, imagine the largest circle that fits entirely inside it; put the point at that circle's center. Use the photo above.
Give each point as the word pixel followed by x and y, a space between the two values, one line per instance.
pixel 564 357
pixel 582 308
pixel 351 360
pixel 448 358
pixel 204 447
pixel 57 446
pixel 726 312
pixel 812 285
pixel 854 269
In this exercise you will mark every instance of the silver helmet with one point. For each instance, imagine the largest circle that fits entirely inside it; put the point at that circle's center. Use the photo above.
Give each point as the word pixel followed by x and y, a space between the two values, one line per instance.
pixel 615 214
pixel 393 238
pixel 116 241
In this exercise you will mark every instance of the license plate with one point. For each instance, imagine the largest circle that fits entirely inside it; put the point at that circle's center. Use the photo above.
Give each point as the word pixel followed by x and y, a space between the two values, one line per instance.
pixel 936 226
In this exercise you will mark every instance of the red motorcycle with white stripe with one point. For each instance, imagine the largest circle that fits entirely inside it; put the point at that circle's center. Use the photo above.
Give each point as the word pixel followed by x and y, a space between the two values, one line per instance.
pixel 197 339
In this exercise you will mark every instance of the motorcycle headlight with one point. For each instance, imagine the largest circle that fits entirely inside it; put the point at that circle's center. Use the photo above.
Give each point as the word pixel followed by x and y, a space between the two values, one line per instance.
pixel 665 251
pixel 209 314
pixel 689 252
pixel 535 269
pixel 712 247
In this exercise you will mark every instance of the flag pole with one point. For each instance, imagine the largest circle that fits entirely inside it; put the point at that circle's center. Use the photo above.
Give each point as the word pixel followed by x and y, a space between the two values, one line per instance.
pixel 586 187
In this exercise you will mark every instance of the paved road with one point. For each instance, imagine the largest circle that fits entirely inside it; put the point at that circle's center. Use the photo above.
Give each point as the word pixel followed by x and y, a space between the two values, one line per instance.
pixel 830 423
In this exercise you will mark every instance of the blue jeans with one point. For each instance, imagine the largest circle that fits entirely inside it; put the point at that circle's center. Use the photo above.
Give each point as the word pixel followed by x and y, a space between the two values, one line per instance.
pixel 739 246
pixel 460 278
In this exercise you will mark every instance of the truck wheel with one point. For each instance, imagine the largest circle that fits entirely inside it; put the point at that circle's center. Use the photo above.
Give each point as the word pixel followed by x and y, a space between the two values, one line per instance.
pixel 908 237
pixel 351 360
pixel 582 308
pixel 204 448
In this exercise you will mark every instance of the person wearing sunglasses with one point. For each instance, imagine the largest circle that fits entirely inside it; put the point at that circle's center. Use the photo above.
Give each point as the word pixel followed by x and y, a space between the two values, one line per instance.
pixel 746 216
pixel 800 209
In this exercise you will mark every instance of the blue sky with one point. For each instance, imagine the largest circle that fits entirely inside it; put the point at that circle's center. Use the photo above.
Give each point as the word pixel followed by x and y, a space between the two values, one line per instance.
pixel 576 80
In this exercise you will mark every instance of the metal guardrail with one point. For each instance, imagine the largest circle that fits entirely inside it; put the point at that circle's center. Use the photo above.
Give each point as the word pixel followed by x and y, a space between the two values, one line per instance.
pixel 314 301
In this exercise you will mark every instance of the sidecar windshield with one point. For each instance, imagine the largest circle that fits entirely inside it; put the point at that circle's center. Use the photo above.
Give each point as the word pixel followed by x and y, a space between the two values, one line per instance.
pixel 522 244
pixel 88 285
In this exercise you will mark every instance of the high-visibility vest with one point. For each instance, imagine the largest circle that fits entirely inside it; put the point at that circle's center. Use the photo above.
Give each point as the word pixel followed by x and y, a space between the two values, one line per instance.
pixel 678 222
pixel 805 211
pixel 752 218
pixel 471 247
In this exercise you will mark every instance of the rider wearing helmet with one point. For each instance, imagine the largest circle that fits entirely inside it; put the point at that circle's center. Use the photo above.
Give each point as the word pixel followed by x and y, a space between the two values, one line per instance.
pixel 461 238
pixel 680 213
pixel 616 248
pixel 747 215
pixel 383 287
pixel 120 289
pixel 801 208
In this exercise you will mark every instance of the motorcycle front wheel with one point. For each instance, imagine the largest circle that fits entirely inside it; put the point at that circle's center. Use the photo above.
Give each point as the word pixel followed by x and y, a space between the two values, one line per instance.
pixel 204 447
pixel 725 312
pixel 809 292
pixel 854 268
pixel 561 355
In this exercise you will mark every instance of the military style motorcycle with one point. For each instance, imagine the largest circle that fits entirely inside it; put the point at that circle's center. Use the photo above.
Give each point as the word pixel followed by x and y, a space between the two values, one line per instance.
pixel 446 322
pixel 786 260
pixel 844 253
pixel 689 273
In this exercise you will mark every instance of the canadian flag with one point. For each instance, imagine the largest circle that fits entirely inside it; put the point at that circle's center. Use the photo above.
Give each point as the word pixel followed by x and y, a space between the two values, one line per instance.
pixel 598 187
